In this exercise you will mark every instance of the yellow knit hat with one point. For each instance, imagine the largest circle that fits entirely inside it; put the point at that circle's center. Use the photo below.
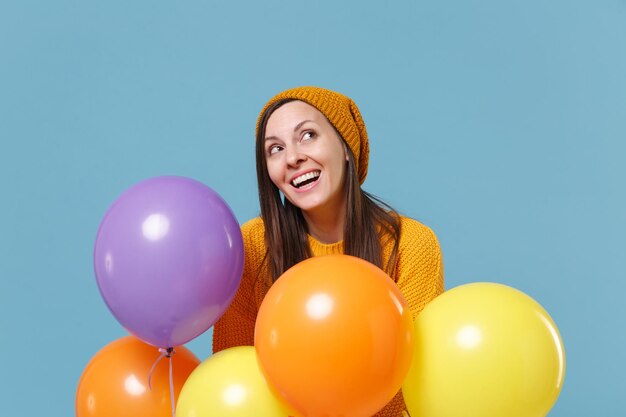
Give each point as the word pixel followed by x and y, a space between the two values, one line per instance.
pixel 342 113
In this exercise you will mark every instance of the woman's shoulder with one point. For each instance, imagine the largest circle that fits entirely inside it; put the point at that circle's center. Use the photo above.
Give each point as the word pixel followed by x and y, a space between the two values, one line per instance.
pixel 414 232
pixel 253 228
pixel 410 224
pixel 253 234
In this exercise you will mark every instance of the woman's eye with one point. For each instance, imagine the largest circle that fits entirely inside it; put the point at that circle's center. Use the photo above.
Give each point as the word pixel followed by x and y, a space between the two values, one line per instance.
pixel 274 149
pixel 308 135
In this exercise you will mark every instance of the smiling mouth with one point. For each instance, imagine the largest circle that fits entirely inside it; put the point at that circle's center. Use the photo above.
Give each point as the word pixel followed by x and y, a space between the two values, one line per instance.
pixel 305 179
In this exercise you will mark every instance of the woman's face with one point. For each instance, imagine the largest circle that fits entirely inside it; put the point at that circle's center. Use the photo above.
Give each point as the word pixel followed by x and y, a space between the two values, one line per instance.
pixel 306 158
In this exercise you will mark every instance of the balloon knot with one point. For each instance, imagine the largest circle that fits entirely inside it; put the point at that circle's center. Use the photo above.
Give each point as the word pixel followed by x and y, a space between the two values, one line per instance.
pixel 167 352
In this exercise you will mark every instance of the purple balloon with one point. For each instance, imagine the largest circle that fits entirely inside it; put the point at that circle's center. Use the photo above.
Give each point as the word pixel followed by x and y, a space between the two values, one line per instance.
pixel 168 259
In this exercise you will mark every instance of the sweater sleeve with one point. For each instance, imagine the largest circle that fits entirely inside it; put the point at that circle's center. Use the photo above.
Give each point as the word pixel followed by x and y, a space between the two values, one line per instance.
pixel 236 326
pixel 419 269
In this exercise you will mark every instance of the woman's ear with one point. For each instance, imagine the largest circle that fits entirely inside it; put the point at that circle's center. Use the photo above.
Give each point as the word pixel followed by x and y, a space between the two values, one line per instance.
pixel 345 151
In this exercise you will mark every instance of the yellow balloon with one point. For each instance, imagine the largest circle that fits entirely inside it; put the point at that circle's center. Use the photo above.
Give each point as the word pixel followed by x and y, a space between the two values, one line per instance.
pixel 484 350
pixel 229 384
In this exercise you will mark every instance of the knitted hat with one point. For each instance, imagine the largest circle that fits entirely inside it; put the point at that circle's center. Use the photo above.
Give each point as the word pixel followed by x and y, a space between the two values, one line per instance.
pixel 342 113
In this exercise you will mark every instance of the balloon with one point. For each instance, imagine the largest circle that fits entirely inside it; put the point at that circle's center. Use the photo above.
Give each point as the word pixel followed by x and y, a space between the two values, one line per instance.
pixel 168 259
pixel 229 384
pixel 484 350
pixel 115 382
pixel 334 337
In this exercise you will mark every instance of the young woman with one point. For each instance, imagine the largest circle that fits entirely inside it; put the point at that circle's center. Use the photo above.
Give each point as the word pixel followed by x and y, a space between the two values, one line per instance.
pixel 312 155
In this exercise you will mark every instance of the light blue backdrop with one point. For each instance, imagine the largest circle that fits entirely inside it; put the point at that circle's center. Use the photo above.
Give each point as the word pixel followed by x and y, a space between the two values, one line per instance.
pixel 500 124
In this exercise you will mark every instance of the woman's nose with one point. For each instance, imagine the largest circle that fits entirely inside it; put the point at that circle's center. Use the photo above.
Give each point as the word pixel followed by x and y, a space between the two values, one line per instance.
pixel 294 157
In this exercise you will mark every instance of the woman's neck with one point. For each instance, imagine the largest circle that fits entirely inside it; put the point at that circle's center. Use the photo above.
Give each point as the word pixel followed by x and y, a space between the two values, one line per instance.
pixel 326 226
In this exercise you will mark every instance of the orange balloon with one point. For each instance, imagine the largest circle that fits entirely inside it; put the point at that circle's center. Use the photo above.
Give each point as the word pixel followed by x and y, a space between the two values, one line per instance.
pixel 334 337
pixel 115 382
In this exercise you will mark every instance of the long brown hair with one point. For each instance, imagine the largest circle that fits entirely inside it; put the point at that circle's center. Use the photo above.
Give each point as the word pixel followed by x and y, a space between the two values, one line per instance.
pixel 370 223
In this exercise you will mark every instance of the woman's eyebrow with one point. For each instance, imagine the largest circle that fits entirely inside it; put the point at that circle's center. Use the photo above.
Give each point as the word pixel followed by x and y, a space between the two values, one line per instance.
pixel 299 125
pixel 295 129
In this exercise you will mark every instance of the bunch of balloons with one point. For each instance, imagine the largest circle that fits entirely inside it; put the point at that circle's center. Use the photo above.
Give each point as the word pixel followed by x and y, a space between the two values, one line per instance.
pixel 168 259
pixel 333 337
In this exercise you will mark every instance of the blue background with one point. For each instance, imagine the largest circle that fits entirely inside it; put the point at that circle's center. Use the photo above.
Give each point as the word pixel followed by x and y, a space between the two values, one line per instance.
pixel 500 124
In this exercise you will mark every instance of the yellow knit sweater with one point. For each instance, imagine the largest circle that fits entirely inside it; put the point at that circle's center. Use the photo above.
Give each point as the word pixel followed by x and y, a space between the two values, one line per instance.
pixel 418 273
